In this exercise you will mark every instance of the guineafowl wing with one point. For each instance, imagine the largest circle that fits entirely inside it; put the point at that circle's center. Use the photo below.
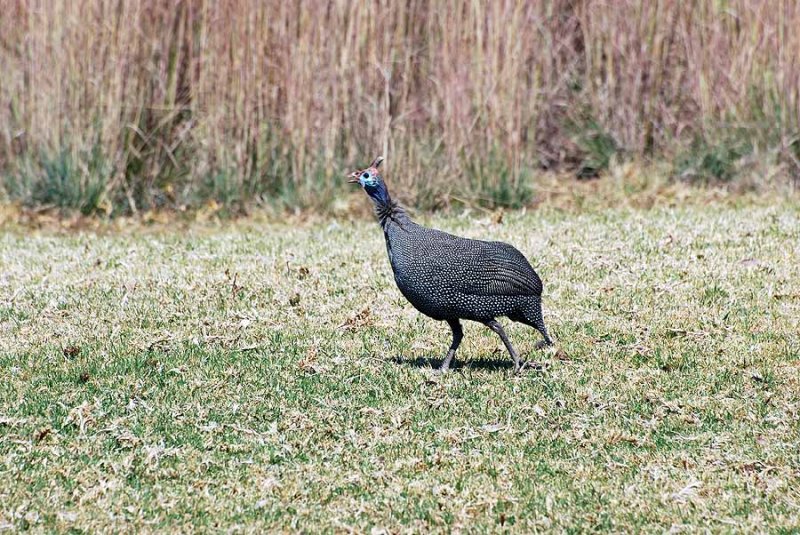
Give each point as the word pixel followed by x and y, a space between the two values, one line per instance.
pixel 482 268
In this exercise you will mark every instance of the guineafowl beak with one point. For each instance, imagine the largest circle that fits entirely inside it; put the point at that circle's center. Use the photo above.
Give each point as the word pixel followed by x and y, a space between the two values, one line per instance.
pixel 353 177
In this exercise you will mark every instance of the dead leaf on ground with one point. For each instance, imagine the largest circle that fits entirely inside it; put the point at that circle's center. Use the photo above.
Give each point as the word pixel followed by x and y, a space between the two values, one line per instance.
pixel 562 355
pixel 362 319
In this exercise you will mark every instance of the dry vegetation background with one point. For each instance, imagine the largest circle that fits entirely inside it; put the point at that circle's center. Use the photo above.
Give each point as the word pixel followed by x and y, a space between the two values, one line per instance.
pixel 125 106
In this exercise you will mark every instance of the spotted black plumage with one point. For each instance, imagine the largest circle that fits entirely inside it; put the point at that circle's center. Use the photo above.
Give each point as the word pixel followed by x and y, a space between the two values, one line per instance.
pixel 450 278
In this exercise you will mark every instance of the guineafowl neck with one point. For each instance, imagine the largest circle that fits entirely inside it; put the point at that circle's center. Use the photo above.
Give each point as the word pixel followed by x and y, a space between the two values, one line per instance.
pixel 390 211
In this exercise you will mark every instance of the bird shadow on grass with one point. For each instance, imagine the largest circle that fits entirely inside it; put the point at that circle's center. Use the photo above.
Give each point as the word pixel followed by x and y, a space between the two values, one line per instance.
pixel 472 364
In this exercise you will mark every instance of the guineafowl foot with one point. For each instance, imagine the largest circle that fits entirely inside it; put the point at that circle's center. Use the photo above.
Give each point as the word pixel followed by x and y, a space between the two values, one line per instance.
pixel 445 367
pixel 531 366
pixel 544 344
pixel 458 334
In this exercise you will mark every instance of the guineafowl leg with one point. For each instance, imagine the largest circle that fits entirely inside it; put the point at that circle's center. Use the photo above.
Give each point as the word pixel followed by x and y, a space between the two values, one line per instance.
pixel 458 334
pixel 496 327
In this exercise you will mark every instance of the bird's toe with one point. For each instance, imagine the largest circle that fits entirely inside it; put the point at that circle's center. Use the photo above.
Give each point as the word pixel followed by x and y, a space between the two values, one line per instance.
pixel 530 366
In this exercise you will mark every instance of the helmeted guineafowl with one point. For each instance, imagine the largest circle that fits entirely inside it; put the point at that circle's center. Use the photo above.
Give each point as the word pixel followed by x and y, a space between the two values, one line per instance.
pixel 450 278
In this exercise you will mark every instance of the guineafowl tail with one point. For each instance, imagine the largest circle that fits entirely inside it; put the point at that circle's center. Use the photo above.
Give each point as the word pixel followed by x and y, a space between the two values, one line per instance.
pixel 531 315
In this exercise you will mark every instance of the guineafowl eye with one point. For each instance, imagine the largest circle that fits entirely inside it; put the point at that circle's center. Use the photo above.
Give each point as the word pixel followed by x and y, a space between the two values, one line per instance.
pixel 365 176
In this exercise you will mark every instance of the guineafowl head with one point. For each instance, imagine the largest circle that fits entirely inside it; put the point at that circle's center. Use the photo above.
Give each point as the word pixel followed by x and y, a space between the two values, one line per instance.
pixel 371 180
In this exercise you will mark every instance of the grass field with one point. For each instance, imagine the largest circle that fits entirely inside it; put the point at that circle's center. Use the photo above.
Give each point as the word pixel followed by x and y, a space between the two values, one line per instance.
pixel 260 376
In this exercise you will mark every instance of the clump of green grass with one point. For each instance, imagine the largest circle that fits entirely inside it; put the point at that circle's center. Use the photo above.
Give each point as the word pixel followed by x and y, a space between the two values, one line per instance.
pixel 270 377
pixel 706 162
pixel 596 148
pixel 494 183
pixel 65 180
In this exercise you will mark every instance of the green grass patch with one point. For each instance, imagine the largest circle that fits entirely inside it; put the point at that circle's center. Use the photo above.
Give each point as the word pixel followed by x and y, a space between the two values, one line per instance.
pixel 269 377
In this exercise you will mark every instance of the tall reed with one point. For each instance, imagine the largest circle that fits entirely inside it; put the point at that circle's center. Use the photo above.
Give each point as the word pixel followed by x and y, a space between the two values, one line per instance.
pixel 135 104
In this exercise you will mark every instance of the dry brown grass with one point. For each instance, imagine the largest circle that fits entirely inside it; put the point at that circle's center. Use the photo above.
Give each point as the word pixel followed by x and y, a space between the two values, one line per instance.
pixel 236 99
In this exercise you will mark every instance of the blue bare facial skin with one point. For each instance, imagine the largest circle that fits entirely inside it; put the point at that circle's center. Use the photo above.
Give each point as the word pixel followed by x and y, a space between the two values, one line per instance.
pixel 367 179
